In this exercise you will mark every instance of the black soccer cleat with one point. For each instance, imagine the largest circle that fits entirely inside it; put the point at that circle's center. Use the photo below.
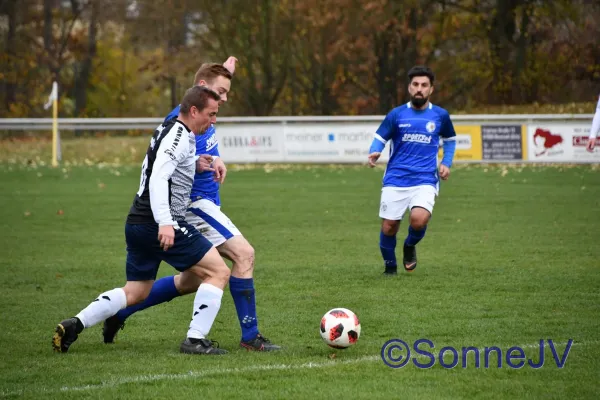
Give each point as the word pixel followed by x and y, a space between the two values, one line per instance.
pixel 410 258
pixel 65 335
pixel 259 343
pixel 391 270
pixel 201 346
pixel 110 328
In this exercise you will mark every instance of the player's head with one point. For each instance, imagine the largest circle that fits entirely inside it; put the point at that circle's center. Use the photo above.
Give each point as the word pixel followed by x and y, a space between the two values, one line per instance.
pixel 420 85
pixel 199 108
pixel 215 77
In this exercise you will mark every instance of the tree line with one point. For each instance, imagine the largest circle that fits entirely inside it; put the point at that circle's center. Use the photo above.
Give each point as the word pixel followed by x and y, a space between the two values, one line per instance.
pixel 135 58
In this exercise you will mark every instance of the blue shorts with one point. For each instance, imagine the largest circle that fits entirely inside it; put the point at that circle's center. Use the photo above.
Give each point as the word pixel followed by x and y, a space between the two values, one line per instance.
pixel 144 253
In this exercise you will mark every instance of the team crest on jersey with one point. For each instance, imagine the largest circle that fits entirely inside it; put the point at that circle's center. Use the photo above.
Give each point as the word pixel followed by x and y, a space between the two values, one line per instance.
pixel 430 126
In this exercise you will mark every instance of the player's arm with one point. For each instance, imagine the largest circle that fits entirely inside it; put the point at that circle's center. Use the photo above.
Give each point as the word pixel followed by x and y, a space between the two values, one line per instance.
pixel 595 128
pixel 384 133
pixel 219 166
pixel 449 147
pixel 169 154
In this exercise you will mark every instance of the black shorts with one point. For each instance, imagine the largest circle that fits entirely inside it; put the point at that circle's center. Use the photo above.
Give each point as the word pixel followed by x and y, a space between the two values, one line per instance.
pixel 144 253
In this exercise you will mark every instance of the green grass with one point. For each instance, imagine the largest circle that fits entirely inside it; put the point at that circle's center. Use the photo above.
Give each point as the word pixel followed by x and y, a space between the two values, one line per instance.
pixel 511 256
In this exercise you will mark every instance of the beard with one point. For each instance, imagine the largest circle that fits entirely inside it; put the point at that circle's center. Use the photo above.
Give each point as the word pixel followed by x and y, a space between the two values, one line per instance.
pixel 418 102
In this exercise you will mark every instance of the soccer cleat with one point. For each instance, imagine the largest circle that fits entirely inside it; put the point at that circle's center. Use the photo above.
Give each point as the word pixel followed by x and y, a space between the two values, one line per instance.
pixel 259 343
pixel 110 328
pixel 201 346
pixel 391 270
pixel 64 335
pixel 410 258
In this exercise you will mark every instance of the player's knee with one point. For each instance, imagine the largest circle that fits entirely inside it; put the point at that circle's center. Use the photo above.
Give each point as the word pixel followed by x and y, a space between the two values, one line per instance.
pixel 136 292
pixel 221 275
pixel 389 227
pixel 419 221
pixel 245 255
pixel 186 283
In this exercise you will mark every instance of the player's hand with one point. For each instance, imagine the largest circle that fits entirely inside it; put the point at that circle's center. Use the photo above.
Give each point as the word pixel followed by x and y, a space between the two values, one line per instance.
pixel 230 64
pixel 444 172
pixel 373 157
pixel 220 170
pixel 204 163
pixel 166 236
pixel 591 144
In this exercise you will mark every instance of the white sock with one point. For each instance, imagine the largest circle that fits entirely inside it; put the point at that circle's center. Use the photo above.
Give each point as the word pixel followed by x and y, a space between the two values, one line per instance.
pixel 206 308
pixel 105 306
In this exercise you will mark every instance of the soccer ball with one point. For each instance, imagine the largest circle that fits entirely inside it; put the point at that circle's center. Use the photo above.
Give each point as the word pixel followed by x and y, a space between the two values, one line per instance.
pixel 340 328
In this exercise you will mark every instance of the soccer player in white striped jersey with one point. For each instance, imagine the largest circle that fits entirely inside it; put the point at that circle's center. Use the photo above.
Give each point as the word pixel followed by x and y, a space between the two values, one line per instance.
pixel 156 231
pixel 595 130
pixel 411 179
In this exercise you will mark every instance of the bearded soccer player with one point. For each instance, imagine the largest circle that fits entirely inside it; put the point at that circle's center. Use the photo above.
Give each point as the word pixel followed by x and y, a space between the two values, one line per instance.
pixel 411 179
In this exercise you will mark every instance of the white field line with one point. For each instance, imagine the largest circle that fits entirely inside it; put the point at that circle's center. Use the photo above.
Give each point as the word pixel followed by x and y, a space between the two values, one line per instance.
pixel 252 368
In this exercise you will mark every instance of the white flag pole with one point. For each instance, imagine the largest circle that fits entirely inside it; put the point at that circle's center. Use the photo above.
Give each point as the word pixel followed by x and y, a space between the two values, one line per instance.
pixel 53 101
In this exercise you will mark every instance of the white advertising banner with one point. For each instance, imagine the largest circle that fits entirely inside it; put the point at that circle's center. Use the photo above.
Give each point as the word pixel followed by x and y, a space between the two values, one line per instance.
pixel 329 142
pixel 253 143
pixel 560 143
pixel 325 142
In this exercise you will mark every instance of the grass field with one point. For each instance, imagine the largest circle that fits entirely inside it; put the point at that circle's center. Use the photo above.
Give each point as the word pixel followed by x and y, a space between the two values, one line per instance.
pixel 511 256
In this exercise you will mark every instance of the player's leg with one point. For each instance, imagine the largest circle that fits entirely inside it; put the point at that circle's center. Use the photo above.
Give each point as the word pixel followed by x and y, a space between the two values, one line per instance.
pixel 199 260
pixel 394 203
pixel 222 233
pixel 421 208
pixel 241 285
pixel 141 268
pixel 214 274
pixel 164 289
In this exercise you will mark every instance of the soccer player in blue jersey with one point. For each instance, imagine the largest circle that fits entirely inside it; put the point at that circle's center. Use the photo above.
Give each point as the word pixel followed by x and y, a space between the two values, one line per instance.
pixel 206 216
pixel 411 179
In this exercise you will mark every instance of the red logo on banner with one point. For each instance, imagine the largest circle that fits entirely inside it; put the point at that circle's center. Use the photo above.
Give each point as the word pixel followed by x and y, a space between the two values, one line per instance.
pixel 580 141
pixel 549 140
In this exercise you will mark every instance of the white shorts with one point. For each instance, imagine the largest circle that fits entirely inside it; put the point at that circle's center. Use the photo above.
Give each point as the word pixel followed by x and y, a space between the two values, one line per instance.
pixel 210 221
pixel 395 200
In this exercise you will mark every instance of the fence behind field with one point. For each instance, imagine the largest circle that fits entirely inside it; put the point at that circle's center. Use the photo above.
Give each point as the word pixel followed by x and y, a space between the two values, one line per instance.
pixel 346 139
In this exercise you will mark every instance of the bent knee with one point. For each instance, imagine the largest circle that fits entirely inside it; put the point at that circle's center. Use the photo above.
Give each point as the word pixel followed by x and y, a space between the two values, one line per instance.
pixel 389 227
pixel 222 274
pixel 419 220
pixel 136 293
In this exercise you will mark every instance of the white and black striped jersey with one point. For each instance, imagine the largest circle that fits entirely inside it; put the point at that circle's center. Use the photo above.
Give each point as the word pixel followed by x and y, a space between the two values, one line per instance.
pixel 167 176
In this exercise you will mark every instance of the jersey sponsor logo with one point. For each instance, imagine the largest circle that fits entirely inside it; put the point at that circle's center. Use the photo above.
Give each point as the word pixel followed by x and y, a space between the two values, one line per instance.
pixel 404 125
pixel 416 137
pixel 430 126
pixel 211 142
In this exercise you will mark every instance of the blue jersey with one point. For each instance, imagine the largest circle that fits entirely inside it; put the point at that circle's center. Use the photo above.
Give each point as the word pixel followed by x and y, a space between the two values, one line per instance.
pixel 204 183
pixel 415 139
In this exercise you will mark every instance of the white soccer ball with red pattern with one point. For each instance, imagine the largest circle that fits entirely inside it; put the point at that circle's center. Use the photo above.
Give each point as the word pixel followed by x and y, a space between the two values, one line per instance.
pixel 340 328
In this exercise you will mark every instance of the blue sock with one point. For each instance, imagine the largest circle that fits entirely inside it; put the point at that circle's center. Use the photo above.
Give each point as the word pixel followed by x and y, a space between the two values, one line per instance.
pixel 162 291
pixel 242 291
pixel 387 245
pixel 414 236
